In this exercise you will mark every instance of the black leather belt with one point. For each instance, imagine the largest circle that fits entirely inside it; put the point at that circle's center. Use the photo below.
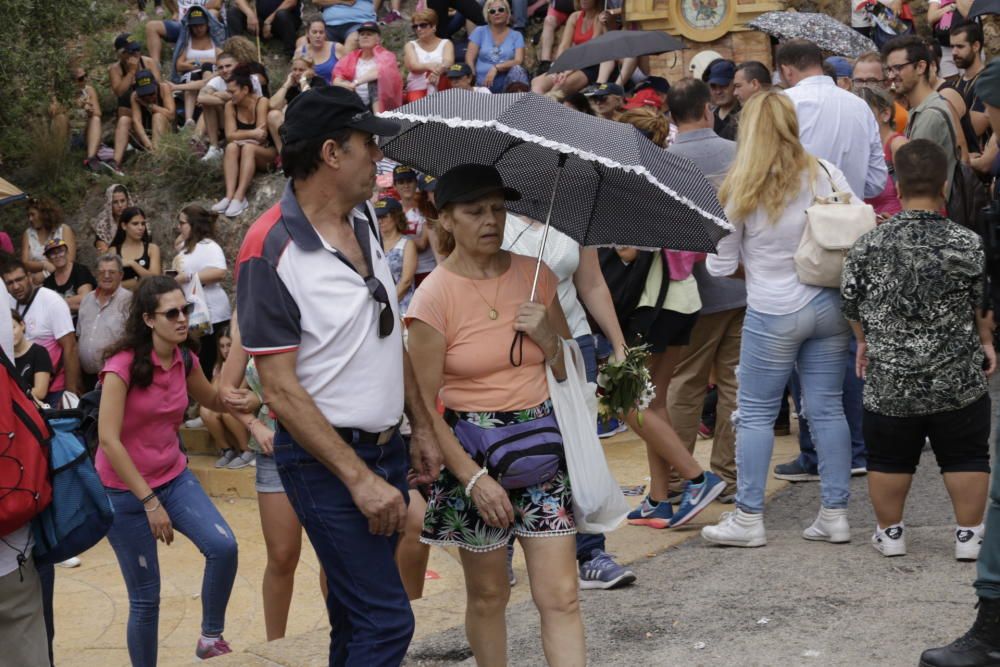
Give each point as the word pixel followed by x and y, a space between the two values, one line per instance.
pixel 357 436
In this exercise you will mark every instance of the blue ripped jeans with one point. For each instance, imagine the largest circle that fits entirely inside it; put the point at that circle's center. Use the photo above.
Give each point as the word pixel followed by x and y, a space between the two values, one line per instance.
pixel 192 515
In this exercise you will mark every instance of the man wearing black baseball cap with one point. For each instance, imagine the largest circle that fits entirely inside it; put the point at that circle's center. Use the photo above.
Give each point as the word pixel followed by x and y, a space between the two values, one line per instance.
pixel 317 309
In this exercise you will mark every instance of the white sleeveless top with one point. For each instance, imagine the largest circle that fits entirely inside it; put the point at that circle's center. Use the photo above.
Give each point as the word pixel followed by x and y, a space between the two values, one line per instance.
pixel 419 81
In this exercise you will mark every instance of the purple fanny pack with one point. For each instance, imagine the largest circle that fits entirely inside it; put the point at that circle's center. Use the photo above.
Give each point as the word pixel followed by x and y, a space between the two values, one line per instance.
pixel 516 455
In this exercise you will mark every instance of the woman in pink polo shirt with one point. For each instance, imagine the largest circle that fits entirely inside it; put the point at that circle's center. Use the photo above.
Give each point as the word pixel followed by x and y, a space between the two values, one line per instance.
pixel 146 380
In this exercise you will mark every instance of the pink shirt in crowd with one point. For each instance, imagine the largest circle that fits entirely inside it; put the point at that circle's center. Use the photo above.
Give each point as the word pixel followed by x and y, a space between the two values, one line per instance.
pixel 152 416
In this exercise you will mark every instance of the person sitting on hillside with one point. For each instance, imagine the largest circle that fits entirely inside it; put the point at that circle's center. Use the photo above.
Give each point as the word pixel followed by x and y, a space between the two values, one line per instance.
pixel 323 52
pixel 121 76
pixel 461 76
pixel 267 18
pixel 194 64
pixel 371 71
pixel 582 26
pixel 212 98
pixel 45 223
pixel 80 125
pixel 300 78
pixel 116 199
pixel 606 100
pixel 343 19
pixel 133 243
pixel 158 32
pixel 71 280
pixel 496 51
pixel 427 57
pixel 248 144
pixel 153 113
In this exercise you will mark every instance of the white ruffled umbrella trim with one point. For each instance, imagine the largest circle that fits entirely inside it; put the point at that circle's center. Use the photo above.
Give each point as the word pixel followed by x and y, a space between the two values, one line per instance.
pixel 562 148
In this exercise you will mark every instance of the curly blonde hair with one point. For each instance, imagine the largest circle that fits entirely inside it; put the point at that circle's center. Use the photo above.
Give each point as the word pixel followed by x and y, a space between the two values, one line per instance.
pixel 650 122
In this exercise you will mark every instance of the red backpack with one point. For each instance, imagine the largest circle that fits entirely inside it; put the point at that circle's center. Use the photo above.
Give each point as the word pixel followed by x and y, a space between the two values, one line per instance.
pixel 25 488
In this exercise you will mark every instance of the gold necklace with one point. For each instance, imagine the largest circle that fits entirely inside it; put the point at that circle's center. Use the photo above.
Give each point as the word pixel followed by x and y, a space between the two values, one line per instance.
pixel 493 308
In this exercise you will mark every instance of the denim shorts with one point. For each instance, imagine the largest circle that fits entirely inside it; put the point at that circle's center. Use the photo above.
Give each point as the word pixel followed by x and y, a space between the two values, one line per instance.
pixel 268 480
pixel 172 30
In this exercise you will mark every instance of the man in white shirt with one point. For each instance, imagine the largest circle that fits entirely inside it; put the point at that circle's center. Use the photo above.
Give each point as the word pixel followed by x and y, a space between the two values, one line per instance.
pixel 49 323
pixel 839 127
pixel 212 99
pixel 833 124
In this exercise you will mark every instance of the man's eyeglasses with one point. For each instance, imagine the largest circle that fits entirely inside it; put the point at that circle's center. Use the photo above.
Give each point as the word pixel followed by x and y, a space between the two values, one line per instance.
pixel 868 82
pixel 386 318
pixel 174 314
pixel 421 26
pixel 498 10
pixel 896 69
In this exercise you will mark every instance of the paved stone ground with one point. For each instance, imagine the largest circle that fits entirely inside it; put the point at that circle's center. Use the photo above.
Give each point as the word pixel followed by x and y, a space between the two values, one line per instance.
pixel 792 602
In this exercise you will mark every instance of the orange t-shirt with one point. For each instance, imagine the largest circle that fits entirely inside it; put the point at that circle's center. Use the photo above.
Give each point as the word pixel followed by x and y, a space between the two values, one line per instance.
pixel 478 375
pixel 901 117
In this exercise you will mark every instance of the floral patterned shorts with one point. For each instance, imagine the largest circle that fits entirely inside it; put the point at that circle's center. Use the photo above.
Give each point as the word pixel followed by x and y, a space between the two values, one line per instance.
pixel 543 510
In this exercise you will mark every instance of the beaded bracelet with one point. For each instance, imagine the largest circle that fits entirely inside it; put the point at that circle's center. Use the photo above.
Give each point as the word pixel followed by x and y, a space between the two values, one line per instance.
pixel 148 498
pixel 472 482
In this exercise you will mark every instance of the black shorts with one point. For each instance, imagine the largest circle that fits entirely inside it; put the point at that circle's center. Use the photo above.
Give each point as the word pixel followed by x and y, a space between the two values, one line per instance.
pixel 660 330
pixel 960 439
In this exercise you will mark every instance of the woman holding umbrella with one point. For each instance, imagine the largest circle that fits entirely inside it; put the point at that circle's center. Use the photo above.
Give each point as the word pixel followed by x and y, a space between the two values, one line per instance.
pixel 464 351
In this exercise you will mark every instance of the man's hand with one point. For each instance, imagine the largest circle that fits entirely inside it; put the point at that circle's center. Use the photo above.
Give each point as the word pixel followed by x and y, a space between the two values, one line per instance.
pixel 267 30
pixel 425 454
pixel 252 25
pixel 381 503
pixel 991 359
pixel 861 360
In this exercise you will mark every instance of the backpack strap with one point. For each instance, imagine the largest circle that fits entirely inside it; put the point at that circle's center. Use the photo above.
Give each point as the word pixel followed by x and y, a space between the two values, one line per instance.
pixel 956 152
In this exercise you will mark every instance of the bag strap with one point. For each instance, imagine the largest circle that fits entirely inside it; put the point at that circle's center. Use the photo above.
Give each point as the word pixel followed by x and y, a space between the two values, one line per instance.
pixel 956 152
pixel 188 361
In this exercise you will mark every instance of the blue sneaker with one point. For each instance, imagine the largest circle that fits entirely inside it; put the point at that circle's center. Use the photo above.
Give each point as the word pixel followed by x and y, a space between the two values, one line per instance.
pixel 697 497
pixel 654 516
pixel 601 571
pixel 607 428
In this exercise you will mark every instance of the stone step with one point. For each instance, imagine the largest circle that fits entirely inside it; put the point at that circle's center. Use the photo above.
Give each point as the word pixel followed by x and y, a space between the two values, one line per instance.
pixel 221 482
pixel 198 441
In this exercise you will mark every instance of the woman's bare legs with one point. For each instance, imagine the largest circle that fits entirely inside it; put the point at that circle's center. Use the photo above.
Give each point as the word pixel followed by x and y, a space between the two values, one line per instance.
pixel 411 554
pixel 283 539
pixel 487 592
pixel 555 589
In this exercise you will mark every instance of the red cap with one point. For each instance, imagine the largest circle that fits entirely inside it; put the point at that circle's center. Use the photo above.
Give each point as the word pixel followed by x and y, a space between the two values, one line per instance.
pixel 645 98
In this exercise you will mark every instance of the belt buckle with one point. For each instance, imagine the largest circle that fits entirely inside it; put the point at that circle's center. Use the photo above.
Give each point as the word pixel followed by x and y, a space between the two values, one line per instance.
pixel 385 436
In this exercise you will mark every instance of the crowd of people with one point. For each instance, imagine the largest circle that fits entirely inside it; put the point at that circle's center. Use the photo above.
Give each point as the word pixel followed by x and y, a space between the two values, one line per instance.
pixel 396 389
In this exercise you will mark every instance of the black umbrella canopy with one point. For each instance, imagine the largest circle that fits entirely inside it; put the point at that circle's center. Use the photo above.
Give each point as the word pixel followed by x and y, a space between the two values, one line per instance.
pixel 616 186
pixel 825 31
pixel 983 8
pixel 614 45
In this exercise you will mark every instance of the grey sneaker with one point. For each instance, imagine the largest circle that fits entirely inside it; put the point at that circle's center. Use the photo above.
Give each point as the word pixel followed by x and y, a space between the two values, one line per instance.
pixel 227 456
pixel 242 461
pixel 602 572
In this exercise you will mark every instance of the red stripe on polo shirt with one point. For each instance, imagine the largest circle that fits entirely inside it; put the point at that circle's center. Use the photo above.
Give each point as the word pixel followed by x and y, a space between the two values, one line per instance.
pixel 253 242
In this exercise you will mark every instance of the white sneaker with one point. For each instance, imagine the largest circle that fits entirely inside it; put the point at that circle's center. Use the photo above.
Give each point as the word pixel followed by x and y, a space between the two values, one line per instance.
pixel 737 529
pixel 968 542
pixel 236 208
pixel 222 205
pixel 75 562
pixel 212 154
pixel 891 541
pixel 830 526
pixel 197 422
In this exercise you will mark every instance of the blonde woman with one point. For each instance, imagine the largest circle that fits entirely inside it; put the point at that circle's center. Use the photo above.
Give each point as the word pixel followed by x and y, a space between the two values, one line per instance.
pixel 496 51
pixel 788 324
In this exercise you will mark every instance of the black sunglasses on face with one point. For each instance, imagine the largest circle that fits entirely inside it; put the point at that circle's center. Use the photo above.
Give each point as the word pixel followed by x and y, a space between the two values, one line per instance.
pixel 421 26
pixel 498 10
pixel 386 318
pixel 174 314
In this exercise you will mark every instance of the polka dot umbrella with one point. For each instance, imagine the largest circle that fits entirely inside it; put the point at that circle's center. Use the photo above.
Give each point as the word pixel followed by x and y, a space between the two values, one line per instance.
pixel 599 181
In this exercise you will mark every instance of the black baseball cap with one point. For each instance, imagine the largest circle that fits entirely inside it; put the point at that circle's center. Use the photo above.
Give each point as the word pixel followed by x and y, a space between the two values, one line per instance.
pixel 402 173
pixel 370 26
pixel 657 83
pixel 469 182
pixel 328 109
pixel 604 89
pixel 197 16
pixel 458 70
pixel 145 83
pixel 387 205
pixel 427 183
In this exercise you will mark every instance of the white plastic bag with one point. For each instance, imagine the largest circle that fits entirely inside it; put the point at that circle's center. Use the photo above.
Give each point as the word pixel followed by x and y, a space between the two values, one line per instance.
pixel 200 320
pixel 599 506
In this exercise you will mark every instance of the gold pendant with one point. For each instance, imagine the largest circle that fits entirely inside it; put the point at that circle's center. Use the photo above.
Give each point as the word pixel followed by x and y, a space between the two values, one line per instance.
pixel 494 314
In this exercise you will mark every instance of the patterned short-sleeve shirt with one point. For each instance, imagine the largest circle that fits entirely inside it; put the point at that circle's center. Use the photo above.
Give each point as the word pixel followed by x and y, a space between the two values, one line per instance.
pixel 915 284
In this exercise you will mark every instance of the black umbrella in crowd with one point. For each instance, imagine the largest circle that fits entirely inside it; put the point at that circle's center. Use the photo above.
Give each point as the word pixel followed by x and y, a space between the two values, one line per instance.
pixel 825 31
pixel 983 8
pixel 615 45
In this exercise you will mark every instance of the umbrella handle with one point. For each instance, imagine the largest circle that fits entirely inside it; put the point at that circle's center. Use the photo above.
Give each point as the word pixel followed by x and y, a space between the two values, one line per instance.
pixel 548 224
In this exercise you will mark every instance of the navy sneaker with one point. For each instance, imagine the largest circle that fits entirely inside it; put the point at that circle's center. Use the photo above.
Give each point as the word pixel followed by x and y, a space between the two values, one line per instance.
pixel 655 516
pixel 609 428
pixel 793 471
pixel 601 571
pixel 697 497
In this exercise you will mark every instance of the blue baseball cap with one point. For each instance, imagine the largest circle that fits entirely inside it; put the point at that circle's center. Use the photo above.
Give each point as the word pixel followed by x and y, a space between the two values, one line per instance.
pixel 604 89
pixel 427 183
pixel 720 73
pixel 840 65
pixel 387 205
